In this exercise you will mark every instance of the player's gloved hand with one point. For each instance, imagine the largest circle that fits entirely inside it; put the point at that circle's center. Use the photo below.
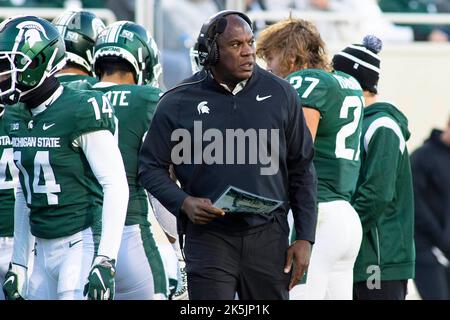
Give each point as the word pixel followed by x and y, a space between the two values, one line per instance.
pixel 101 285
pixel 15 284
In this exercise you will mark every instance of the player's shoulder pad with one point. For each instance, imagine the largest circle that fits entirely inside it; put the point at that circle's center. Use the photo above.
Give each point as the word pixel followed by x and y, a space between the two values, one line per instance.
pixel 323 76
pixel 93 112
pixel 313 83
pixel 78 85
pixel 149 93
pixel 14 115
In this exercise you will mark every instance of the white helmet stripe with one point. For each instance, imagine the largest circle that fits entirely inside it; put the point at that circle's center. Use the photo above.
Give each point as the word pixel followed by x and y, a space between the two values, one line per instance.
pixel 111 33
pixel 65 20
pixel 121 24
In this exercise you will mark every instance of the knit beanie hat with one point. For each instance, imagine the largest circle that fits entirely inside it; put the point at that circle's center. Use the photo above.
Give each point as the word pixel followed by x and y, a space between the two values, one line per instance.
pixel 362 62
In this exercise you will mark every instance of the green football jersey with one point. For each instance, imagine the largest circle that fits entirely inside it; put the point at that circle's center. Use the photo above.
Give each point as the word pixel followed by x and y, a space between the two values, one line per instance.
pixel 59 186
pixel 8 181
pixel 134 108
pixel 69 78
pixel 339 99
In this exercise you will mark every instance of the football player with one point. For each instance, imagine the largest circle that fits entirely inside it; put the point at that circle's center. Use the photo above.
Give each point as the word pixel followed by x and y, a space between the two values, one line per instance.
pixel 8 182
pixel 126 62
pixel 384 196
pixel 79 30
pixel 333 104
pixel 70 170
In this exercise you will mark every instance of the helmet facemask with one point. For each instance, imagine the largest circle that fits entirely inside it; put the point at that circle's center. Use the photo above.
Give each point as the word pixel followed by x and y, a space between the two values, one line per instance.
pixel 31 52
pixel 11 65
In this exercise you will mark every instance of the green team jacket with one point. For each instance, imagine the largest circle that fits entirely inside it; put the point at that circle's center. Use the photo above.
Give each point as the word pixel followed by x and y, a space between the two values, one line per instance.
pixel 384 197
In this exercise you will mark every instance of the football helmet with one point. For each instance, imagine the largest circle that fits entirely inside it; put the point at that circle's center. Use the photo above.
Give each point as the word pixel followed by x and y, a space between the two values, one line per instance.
pixel 79 30
pixel 31 50
pixel 133 43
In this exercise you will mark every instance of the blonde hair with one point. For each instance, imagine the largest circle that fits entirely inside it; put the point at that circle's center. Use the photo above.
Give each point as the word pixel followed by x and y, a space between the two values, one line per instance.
pixel 294 38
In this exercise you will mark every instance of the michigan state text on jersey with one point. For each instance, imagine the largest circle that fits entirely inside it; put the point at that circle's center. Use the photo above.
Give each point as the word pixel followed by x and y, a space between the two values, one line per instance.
pixel 56 178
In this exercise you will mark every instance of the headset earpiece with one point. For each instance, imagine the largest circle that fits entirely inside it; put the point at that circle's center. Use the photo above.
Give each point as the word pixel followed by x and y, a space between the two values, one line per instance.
pixel 208 49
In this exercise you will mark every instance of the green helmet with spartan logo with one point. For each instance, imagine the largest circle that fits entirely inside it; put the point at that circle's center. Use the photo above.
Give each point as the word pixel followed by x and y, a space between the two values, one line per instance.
pixel 31 50
pixel 79 30
pixel 133 43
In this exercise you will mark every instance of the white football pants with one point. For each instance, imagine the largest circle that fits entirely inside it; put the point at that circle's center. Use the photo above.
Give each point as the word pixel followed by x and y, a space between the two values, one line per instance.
pixel 338 239
pixel 61 267
pixel 140 272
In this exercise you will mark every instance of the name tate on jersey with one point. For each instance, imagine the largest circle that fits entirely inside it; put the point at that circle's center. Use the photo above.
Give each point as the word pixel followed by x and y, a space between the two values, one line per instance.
pixel 5 141
pixel 35 142
pixel 118 97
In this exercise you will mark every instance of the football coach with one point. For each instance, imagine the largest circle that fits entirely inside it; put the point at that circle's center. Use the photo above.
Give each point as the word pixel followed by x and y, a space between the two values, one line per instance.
pixel 234 124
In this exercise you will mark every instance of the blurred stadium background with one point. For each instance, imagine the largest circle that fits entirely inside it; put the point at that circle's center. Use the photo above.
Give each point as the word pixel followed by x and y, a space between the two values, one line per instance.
pixel 415 74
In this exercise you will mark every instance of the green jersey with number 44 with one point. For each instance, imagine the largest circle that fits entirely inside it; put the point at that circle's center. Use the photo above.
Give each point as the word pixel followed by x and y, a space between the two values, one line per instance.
pixel 339 99
pixel 59 186
pixel 134 108
pixel 8 182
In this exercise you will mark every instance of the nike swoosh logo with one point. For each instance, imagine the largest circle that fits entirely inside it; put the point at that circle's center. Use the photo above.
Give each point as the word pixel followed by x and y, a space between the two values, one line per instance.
pixel 45 127
pixel 258 98
pixel 97 273
pixel 71 244
pixel 10 279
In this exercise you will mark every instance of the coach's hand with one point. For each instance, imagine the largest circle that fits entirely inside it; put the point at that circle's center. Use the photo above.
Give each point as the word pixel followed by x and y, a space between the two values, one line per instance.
pixel 298 253
pixel 200 210
pixel 15 284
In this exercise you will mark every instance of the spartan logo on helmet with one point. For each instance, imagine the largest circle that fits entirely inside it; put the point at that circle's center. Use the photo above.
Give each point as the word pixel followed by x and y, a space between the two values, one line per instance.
pixel 31 50
pixel 32 36
pixel 31 32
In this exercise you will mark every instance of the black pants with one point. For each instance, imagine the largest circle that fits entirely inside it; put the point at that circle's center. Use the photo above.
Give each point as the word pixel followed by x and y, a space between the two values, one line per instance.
pixel 432 281
pixel 219 266
pixel 389 290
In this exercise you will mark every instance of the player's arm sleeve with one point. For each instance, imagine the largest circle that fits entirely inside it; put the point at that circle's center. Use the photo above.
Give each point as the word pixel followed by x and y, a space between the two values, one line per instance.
pixel 166 220
pixel 301 173
pixel 424 219
pixel 379 180
pixel 23 239
pixel 105 160
pixel 155 159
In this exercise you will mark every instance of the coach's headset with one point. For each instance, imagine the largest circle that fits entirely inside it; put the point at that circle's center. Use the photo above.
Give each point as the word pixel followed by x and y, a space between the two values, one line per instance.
pixel 208 49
